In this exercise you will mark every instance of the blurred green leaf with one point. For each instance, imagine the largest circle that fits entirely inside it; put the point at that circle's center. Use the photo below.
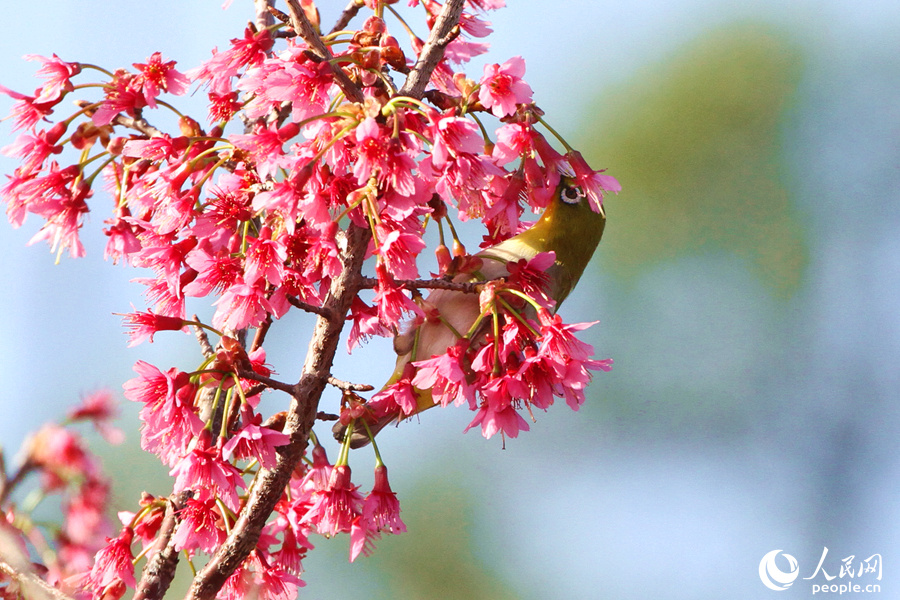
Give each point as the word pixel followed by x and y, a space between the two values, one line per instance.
pixel 695 143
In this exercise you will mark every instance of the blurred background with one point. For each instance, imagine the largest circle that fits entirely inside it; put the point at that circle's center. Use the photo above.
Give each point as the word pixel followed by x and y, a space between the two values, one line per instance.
pixel 747 287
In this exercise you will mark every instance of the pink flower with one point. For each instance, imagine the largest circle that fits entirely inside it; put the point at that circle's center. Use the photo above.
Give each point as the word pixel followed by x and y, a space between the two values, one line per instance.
pixel 498 419
pixel 223 106
pixel 64 220
pixel 454 136
pixel 112 567
pixel 398 249
pixel 257 442
pixel 60 455
pixel 502 87
pixel 594 183
pixel 223 66
pixel 216 272
pixel 365 324
pixel 290 77
pixel 445 375
pixel 559 340
pixel 265 260
pixel 157 148
pixel 204 471
pixel 392 303
pixel 381 507
pixel 121 96
pixel 382 155
pixel 335 507
pixel 144 324
pixel 27 111
pixel 100 408
pixel 58 74
pixel 156 76
pixel 199 526
pixel 35 149
pixel 169 421
pixel 400 397
pixel 240 306
pixel 85 522
pixel 362 538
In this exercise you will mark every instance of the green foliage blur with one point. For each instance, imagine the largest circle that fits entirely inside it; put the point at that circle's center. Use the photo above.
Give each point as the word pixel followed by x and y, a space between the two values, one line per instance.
pixel 695 142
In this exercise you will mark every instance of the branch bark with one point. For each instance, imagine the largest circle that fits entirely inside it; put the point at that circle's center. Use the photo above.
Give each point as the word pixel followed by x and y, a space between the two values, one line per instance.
pixel 433 51
pixel 160 569
pixel 302 415
pixel 270 483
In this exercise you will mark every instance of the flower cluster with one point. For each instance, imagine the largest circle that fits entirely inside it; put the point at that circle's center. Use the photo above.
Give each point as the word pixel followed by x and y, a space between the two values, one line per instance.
pixel 336 163
pixel 59 457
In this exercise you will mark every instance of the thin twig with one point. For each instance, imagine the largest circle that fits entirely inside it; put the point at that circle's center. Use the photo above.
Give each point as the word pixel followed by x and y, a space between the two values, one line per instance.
pixel 348 14
pixel 31 585
pixel 324 416
pixel 140 124
pixel 203 339
pixel 260 336
pixel 442 33
pixel 306 31
pixel 312 308
pixel 267 381
pixel 467 287
pixel 349 387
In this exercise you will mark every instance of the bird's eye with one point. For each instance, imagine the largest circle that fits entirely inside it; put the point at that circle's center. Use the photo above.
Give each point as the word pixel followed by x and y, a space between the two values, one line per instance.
pixel 571 195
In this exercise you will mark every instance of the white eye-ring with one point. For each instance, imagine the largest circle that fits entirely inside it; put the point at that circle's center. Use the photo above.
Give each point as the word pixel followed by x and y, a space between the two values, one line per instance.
pixel 571 195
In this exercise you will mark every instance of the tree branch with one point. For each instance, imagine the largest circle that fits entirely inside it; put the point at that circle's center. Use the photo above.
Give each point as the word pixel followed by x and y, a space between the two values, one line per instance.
pixel 160 568
pixel 31 585
pixel 306 31
pixel 263 17
pixel 433 51
pixel 348 14
pixel 347 386
pixel 311 308
pixel 302 415
pixel 267 381
pixel 467 287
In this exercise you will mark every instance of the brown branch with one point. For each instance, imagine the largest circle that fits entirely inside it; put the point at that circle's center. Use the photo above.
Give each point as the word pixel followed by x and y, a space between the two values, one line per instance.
pixel 270 483
pixel 348 14
pixel 311 308
pixel 466 287
pixel 160 568
pixel 263 17
pixel 10 483
pixel 30 585
pixel 260 336
pixel 324 416
pixel 267 381
pixel 203 339
pixel 306 31
pixel 443 32
pixel 346 386
pixel 138 124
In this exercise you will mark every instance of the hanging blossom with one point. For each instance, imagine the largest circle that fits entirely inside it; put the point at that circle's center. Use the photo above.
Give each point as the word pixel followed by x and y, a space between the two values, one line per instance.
pixel 257 221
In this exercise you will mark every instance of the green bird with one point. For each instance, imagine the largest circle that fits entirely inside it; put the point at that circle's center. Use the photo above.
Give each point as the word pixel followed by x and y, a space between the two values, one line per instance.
pixel 569 227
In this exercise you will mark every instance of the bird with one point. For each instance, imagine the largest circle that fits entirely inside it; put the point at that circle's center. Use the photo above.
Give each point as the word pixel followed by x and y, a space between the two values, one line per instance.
pixel 569 227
